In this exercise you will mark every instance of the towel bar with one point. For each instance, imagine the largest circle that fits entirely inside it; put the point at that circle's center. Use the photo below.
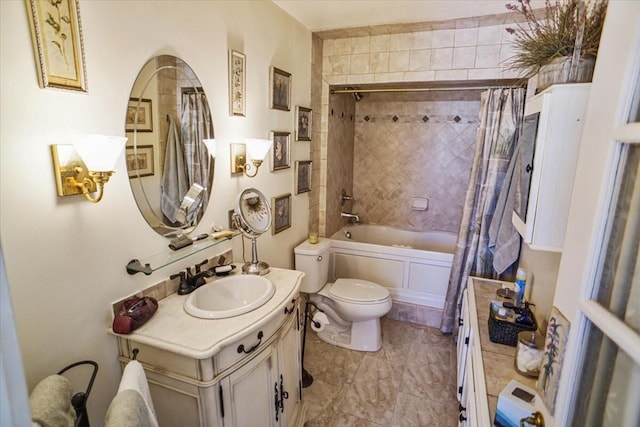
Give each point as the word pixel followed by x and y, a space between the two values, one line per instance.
pixel 79 400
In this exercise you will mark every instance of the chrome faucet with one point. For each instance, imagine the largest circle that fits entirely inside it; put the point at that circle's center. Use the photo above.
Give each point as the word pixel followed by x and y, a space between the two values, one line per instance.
pixel 354 218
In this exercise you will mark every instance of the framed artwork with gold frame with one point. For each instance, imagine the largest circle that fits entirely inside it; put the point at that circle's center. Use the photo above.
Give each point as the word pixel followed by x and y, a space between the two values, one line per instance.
pixel 303 176
pixel 57 40
pixel 140 161
pixel 237 83
pixel 281 150
pixel 281 212
pixel 280 84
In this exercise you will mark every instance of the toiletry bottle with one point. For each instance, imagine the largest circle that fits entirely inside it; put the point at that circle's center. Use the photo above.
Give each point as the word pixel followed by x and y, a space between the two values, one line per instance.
pixel 521 280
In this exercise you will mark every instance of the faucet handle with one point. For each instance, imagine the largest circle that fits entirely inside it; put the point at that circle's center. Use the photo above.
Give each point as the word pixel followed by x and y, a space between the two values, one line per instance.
pixel 181 275
pixel 198 266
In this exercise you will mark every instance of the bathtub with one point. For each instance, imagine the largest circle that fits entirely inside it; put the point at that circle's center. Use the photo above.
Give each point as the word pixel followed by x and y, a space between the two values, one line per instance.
pixel 413 266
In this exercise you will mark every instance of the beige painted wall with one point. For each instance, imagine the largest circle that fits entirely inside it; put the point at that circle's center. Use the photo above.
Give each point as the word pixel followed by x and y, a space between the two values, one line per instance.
pixel 66 258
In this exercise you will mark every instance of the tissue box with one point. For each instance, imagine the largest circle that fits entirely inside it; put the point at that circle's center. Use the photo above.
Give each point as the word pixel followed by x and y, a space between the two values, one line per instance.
pixel 515 401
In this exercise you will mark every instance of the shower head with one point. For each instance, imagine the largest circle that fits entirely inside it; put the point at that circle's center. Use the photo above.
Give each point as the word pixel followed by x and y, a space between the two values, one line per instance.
pixel 357 96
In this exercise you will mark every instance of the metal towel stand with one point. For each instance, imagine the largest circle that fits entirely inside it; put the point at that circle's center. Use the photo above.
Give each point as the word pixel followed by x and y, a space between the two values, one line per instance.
pixel 79 400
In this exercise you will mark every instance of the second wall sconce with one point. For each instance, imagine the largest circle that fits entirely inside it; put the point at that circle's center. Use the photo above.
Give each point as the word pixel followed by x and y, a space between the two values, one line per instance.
pixel 248 156
pixel 86 165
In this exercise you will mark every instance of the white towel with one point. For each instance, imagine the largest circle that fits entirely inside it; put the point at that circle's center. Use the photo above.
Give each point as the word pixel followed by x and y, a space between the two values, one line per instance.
pixel 134 378
pixel 129 409
pixel 50 402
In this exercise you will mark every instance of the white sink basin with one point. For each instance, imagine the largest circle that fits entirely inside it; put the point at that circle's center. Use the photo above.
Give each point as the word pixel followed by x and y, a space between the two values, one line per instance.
pixel 229 296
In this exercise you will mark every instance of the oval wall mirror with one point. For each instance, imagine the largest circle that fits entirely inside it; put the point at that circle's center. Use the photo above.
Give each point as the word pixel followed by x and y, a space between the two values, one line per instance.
pixel 170 152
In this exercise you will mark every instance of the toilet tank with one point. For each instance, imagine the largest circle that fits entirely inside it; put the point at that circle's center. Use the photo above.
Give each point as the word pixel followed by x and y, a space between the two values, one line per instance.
pixel 313 260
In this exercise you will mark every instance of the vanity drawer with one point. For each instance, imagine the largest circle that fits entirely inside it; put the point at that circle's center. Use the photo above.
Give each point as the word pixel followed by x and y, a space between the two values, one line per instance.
pixel 171 364
pixel 252 343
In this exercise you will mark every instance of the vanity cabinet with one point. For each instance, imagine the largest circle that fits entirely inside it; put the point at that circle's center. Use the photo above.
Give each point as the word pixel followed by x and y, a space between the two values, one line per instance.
pixel 484 367
pixel 548 154
pixel 242 371
pixel 266 391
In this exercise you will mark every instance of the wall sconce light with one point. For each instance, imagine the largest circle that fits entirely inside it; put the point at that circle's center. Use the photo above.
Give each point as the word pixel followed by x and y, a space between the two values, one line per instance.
pixel 248 157
pixel 86 165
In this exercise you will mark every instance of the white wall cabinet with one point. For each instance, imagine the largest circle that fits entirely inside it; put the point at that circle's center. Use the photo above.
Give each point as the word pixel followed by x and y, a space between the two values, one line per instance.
pixel 549 147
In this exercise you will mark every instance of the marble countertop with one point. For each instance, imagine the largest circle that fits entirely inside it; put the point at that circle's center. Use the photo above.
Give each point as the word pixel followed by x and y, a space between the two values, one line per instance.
pixel 498 359
pixel 172 329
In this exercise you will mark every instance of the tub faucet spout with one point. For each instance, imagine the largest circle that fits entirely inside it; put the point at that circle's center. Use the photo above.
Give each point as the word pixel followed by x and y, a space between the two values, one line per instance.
pixel 354 218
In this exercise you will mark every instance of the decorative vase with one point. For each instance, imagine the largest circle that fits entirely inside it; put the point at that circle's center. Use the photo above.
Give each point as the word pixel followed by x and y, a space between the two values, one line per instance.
pixel 559 71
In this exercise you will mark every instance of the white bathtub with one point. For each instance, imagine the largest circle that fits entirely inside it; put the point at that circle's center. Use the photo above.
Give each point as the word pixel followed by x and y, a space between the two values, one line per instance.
pixel 413 266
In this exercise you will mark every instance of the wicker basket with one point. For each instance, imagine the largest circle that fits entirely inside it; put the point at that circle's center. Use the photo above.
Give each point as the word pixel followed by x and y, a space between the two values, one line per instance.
pixel 505 331
pixel 559 71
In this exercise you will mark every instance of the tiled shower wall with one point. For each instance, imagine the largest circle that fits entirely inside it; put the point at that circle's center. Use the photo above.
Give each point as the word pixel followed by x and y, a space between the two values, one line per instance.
pixel 340 160
pixel 449 52
pixel 414 146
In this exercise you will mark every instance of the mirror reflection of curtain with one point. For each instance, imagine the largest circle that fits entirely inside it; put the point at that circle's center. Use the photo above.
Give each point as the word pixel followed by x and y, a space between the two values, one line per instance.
pixel 501 113
pixel 196 126
pixel 175 180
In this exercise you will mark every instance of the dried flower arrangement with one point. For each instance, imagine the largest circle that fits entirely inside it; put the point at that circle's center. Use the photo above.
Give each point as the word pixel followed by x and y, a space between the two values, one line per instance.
pixel 563 28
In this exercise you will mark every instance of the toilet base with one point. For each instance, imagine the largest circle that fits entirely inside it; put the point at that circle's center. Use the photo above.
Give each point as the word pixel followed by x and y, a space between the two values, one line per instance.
pixel 360 336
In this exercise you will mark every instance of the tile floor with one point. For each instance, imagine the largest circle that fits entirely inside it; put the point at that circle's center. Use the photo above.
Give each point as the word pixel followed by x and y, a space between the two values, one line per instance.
pixel 409 382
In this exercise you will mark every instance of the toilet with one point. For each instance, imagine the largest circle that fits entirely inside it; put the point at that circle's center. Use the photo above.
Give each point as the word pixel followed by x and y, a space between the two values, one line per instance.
pixel 350 309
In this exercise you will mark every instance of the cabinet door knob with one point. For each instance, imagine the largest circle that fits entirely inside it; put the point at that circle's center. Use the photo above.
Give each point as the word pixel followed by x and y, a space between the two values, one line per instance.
pixel 528 168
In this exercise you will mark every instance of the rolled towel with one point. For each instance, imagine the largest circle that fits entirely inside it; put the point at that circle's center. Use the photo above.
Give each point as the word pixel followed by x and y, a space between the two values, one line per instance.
pixel 128 408
pixel 134 378
pixel 50 402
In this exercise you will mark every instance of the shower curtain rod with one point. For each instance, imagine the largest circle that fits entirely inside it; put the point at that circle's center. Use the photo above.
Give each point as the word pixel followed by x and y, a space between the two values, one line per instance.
pixel 428 89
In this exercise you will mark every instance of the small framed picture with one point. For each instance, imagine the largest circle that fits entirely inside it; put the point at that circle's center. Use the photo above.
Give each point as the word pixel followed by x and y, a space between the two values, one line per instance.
pixel 303 176
pixel 232 224
pixel 237 83
pixel 280 89
pixel 281 150
pixel 303 123
pixel 140 161
pixel 281 208
pixel 139 117
pixel 57 38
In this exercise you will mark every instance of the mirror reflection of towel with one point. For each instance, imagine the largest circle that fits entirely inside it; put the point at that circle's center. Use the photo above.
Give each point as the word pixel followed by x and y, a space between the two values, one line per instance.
pixel 175 182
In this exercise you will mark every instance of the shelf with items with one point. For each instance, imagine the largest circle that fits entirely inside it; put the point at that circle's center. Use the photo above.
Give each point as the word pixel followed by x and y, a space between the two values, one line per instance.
pixel 162 259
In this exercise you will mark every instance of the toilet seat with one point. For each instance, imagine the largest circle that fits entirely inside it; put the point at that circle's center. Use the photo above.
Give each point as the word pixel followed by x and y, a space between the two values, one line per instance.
pixel 358 291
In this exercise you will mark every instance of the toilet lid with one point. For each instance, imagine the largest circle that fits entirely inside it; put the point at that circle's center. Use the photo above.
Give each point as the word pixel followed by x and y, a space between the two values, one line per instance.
pixel 358 290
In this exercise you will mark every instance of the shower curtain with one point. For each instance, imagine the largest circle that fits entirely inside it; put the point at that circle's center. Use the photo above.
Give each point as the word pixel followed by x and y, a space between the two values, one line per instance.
pixel 501 113
pixel 196 126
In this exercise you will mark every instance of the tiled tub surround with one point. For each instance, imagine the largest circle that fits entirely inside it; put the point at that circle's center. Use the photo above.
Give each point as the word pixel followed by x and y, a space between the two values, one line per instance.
pixel 439 51
pixel 449 52
pixel 409 382
pixel 414 145
pixel 392 147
